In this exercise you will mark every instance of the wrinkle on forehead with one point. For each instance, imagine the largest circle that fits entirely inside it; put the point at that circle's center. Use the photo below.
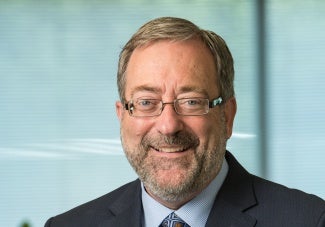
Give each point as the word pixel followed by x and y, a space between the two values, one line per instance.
pixel 159 91
pixel 179 68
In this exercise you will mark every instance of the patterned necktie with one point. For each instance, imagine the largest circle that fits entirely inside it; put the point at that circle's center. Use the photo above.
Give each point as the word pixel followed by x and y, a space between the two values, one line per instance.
pixel 173 220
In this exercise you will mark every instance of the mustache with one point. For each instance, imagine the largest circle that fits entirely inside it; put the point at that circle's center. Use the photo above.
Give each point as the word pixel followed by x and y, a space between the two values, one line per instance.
pixel 184 139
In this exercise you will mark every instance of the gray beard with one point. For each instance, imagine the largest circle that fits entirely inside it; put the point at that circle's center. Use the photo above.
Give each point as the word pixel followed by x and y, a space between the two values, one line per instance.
pixel 206 167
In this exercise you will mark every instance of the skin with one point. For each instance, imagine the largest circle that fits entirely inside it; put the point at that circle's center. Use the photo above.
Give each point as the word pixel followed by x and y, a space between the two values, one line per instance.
pixel 175 156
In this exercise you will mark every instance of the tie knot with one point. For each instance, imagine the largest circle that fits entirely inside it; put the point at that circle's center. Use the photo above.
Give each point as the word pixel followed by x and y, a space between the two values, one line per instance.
pixel 172 220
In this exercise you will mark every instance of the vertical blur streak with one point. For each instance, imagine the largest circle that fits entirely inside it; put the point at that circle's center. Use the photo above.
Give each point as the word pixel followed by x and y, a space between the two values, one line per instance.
pixel 262 85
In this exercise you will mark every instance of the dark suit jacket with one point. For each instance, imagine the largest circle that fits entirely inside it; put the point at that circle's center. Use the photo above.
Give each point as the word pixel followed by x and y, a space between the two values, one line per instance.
pixel 244 200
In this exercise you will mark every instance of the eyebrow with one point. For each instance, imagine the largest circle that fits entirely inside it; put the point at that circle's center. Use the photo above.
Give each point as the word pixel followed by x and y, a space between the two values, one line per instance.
pixel 145 88
pixel 188 89
pixel 181 90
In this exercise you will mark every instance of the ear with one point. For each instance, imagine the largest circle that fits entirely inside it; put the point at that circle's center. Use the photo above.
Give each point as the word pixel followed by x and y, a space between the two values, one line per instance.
pixel 119 109
pixel 230 112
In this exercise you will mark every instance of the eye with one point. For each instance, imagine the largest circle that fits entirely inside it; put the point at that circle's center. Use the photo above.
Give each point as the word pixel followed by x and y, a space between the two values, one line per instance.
pixel 193 102
pixel 145 102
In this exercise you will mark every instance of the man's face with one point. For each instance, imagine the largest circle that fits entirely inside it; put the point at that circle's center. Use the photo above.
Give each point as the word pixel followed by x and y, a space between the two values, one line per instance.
pixel 175 156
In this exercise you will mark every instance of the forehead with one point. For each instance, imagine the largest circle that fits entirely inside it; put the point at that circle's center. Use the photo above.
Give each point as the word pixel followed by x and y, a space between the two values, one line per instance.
pixel 172 67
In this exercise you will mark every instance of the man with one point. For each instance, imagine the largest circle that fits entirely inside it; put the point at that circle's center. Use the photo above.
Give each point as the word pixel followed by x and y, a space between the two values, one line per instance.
pixel 176 111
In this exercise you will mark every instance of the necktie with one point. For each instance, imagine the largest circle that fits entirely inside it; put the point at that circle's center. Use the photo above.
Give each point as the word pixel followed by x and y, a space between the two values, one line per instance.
pixel 173 220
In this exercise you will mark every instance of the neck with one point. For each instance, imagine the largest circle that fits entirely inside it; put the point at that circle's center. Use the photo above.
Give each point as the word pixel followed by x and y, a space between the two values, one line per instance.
pixel 177 201
pixel 174 204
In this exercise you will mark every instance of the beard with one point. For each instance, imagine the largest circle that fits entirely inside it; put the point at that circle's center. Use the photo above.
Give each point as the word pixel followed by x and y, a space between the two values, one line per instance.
pixel 188 174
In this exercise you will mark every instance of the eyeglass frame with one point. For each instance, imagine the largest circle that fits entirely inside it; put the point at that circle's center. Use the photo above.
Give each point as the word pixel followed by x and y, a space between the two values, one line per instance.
pixel 211 104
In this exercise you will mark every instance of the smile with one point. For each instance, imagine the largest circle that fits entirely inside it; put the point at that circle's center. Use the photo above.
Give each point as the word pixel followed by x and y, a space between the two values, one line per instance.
pixel 170 149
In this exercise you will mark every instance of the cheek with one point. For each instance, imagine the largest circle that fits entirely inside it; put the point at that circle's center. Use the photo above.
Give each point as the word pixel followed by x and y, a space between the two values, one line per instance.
pixel 204 127
pixel 209 130
pixel 134 128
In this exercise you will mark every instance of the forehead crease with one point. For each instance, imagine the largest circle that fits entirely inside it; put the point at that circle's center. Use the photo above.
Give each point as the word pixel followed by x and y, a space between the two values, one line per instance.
pixel 187 89
pixel 180 90
pixel 145 88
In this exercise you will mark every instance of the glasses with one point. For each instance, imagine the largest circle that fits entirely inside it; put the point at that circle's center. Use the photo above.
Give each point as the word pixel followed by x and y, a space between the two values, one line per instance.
pixel 186 106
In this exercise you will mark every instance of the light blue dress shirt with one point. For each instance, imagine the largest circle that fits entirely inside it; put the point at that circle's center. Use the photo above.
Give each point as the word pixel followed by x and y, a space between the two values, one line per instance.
pixel 195 212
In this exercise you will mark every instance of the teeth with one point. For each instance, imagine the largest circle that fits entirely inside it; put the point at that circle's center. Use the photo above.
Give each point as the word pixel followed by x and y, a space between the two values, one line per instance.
pixel 170 149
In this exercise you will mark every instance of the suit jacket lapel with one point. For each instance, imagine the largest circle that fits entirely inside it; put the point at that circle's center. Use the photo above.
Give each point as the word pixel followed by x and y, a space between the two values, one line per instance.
pixel 127 209
pixel 234 198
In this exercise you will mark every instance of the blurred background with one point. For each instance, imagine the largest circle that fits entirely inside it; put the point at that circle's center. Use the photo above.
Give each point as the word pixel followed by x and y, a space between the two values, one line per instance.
pixel 59 136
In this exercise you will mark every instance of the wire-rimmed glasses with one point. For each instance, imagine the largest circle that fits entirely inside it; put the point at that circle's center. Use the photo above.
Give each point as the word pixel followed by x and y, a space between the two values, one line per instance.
pixel 146 107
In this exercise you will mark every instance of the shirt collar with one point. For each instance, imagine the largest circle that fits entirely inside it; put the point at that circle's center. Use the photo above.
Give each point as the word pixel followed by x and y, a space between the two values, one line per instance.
pixel 195 212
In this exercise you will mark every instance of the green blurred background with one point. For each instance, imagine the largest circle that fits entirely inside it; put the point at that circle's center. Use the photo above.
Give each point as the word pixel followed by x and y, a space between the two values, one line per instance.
pixel 59 136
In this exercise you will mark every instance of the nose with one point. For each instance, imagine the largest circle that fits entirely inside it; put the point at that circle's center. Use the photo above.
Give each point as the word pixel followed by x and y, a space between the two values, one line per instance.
pixel 169 122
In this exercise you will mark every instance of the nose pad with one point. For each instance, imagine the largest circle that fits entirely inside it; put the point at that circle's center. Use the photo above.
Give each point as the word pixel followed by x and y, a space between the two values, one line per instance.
pixel 172 104
pixel 169 122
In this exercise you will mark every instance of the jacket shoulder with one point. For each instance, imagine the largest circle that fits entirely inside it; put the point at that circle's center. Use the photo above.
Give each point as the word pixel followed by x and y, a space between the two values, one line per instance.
pixel 93 212
pixel 293 199
pixel 280 204
pixel 270 203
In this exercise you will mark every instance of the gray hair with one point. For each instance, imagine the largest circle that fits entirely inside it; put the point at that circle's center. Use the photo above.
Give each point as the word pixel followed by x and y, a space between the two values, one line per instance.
pixel 178 29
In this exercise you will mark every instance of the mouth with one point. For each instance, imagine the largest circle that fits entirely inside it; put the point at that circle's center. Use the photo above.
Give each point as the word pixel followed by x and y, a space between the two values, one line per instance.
pixel 179 144
pixel 170 149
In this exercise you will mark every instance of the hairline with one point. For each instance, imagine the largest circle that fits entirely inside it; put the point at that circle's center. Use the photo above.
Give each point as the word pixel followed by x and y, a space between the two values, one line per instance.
pixel 148 42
